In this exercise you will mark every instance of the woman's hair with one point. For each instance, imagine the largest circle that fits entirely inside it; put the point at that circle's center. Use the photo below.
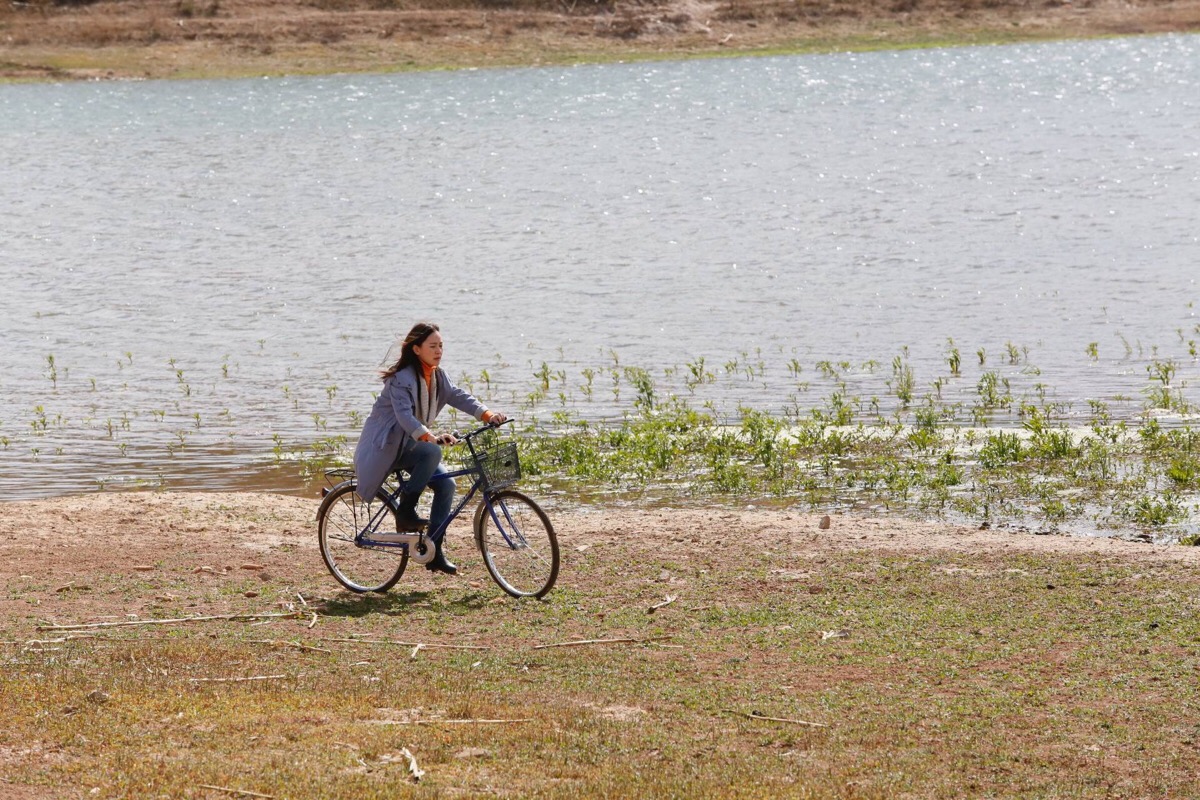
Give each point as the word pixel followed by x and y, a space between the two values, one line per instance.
pixel 417 336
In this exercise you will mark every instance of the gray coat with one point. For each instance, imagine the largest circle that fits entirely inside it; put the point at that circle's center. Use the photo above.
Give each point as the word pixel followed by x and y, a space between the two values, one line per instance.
pixel 393 424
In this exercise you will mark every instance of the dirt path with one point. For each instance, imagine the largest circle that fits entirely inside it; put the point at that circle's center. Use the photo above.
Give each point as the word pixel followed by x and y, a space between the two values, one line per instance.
pixel 71 559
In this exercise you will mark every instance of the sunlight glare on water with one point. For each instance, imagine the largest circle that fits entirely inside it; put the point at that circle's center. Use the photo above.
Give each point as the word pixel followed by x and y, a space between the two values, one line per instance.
pixel 245 251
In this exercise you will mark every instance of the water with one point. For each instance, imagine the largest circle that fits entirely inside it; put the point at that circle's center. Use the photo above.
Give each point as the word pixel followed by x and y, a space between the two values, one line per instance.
pixel 245 251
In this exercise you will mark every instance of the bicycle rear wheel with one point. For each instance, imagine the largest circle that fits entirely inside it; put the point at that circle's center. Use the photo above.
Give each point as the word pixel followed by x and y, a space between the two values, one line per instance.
pixel 360 568
pixel 518 544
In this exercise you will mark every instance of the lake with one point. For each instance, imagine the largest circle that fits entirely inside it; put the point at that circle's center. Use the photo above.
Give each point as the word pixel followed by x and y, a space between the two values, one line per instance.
pixel 198 275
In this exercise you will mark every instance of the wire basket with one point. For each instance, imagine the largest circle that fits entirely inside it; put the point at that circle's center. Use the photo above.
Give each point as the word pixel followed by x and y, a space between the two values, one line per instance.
pixel 499 466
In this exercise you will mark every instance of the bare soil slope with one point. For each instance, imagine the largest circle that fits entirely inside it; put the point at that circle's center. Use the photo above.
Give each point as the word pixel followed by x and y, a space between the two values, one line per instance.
pixel 60 554
pixel 153 38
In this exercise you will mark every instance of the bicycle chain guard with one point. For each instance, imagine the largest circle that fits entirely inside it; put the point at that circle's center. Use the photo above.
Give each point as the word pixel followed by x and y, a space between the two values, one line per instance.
pixel 422 550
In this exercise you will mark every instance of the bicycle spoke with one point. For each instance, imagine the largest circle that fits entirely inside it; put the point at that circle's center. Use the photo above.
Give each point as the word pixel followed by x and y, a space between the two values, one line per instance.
pixel 518 544
pixel 357 566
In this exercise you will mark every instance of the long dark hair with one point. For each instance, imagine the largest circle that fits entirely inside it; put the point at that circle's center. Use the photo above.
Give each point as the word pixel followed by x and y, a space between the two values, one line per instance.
pixel 416 337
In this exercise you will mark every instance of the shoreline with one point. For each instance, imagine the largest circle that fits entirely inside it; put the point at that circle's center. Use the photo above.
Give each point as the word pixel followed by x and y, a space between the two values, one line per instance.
pixel 137 39
pixel 268 519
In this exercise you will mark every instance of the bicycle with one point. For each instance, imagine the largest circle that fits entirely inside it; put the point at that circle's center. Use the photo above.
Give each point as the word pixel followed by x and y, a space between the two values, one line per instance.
pixel 365 551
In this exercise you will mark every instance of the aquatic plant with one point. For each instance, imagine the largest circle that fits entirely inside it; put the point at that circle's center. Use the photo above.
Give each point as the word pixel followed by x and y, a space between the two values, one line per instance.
pixel 1014 353
pixel 987 445
pixel 920 460
pixel 902 380
pixel 954 360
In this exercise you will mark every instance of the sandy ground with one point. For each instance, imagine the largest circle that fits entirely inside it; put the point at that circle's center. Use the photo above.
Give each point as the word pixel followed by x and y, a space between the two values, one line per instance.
pixel 62 560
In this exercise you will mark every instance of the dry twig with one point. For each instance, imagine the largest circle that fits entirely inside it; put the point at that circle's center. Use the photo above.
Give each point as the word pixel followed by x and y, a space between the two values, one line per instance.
pixel 84 625
pixel 411 644
pixel 582 642
pixel 297 645
pixel 756 715
pixel 242 792
pixel 670 599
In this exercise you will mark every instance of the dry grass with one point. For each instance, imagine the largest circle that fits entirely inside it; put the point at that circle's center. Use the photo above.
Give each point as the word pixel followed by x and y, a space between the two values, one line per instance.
pixel 191 38
pixel 939 662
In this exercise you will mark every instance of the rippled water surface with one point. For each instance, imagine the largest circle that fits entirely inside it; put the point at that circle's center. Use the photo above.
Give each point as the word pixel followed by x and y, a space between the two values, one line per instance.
pixel 195 272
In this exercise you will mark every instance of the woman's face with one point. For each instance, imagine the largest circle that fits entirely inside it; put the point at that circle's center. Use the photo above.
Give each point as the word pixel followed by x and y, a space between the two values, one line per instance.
pixel 430 351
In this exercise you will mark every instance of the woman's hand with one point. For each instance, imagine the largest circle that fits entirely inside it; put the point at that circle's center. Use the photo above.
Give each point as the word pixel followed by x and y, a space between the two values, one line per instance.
pixel 497 418
pixel 446 439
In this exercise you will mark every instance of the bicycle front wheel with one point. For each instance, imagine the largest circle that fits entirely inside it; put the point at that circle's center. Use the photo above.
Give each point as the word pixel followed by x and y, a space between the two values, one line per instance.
pixel 360 568
pixel 518 544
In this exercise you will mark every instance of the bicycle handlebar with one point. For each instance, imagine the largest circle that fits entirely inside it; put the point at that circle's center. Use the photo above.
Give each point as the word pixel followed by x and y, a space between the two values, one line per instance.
pixel 464 437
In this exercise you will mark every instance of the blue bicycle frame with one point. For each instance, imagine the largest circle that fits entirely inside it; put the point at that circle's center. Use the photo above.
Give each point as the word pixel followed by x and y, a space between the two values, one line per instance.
pixel 394 496
pixel 362 538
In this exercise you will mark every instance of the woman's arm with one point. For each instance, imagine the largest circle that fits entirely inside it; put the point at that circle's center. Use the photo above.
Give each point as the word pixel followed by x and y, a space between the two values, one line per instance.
pixel 462 400
pixel 403 391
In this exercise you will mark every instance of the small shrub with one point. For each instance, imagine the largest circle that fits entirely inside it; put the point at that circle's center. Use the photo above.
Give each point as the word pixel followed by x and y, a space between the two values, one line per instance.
pixel 1183 472
pixel 1000 450
pixel 1155 513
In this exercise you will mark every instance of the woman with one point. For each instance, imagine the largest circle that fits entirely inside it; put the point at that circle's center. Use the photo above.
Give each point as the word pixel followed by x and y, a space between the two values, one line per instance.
pixel 398 435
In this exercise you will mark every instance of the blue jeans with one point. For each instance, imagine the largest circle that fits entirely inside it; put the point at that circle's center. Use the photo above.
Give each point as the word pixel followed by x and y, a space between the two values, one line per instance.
pixel 423 463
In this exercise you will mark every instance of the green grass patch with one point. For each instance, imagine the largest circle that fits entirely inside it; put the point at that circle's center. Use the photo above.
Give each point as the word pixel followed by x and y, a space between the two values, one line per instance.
pixel 930 675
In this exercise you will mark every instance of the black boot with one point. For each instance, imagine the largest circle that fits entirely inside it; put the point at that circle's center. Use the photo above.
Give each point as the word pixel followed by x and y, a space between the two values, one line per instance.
pixel 407 518
pixel 441 564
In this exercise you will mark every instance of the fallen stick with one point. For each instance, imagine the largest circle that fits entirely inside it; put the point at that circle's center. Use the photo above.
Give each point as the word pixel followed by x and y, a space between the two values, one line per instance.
pixel 238 680
pixel 777 719
pixel 670 599
pixel 582 642
pixel 83 625
pixel 242 792
pixel 297 645
pixel 411 644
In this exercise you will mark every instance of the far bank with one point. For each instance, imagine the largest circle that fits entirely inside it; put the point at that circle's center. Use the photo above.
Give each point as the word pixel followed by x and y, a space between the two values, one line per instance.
pixel 142 39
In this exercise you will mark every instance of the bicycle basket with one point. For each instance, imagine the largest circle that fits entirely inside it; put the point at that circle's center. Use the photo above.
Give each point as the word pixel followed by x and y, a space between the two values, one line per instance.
pixel 499 467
